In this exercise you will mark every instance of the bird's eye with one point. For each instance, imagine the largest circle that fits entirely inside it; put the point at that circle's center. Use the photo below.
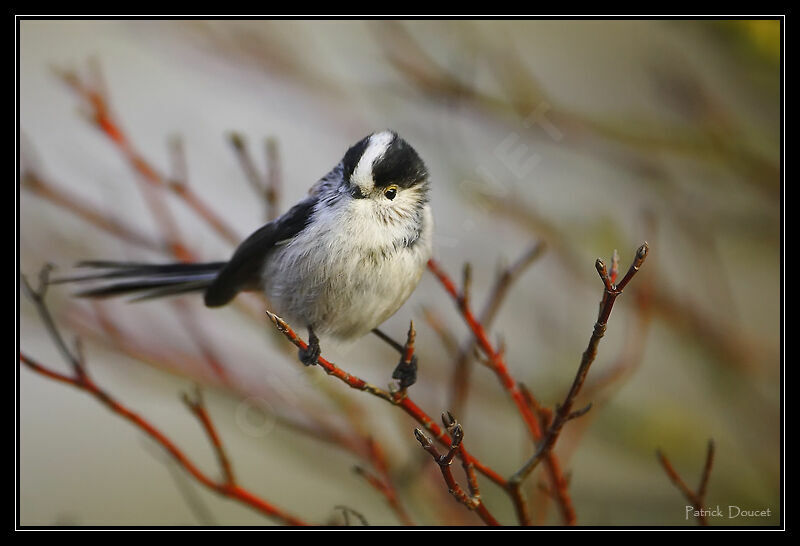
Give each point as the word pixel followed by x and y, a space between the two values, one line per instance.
pixel 390 192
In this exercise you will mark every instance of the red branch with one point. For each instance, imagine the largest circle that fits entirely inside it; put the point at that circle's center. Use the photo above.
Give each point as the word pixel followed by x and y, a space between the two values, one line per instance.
pixel 496 363
pixel 471 500
pixel 399 399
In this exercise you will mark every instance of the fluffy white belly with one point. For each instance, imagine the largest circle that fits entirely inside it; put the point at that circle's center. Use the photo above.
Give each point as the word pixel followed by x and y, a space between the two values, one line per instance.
pixel 343 283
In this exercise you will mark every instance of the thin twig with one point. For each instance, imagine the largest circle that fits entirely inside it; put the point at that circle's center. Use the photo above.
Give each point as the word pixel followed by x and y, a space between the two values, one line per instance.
pixel 180 167
pixel 703 487
pixel 37 297
pixel 495 360
pixel 564 411
pixel 387 490
pixel 696 498
pixel 346 511
pixel 444 333
pixel 471 500
pixel 384 484
pixel 184 485
pixel 201 340
pixel 246 162
pixel 274 183
pixel 267 187
pixel 197 406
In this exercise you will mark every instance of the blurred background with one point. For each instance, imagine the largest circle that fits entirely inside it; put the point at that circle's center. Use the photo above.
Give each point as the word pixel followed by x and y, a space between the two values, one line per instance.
pixel 587 136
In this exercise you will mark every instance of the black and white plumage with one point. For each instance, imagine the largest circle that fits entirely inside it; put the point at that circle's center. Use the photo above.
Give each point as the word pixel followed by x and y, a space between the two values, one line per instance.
pixel 341 261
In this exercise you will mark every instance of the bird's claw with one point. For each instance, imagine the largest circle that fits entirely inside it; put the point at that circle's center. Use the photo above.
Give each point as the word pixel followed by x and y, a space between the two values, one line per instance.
pixel 406 372
pixel 310 354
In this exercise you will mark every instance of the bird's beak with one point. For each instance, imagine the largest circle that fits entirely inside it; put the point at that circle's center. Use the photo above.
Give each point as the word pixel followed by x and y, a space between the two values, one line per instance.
pixel 356 193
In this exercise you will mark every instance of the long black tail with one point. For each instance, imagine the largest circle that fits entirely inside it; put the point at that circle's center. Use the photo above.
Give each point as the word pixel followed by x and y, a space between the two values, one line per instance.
pixel 144 281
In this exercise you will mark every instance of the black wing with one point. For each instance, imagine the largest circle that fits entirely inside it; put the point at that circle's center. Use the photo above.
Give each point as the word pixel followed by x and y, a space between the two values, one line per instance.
pixel 243 271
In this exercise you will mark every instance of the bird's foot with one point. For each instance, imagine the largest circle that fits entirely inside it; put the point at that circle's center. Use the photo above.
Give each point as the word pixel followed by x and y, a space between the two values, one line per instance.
pixel 310 354
pixel 406 372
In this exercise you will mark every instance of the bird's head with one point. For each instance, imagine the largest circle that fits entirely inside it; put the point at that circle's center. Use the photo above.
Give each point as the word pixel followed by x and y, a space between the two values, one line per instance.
pixel 385 170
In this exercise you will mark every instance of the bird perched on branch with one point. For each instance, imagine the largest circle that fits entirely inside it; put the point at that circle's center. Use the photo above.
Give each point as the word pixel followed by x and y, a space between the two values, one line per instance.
pixel 341 261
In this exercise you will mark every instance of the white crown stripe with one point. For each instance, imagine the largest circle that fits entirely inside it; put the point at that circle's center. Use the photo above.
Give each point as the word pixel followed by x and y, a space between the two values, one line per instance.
pixel 378 144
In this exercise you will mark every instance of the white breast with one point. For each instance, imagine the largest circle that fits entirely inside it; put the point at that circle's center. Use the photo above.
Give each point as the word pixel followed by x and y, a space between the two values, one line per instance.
pixel 346 273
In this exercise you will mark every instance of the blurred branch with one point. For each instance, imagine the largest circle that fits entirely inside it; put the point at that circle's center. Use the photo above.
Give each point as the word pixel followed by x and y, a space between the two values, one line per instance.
pixel 81 380
pixel 383 483
pixel 63 198
pixel 95 98
pixel 267 187
pixel 185 487
pixel 347 511
pixel 445 334
pixel 201 340
pixel 197 406
pixel 462 369
pixel 698 497
pixel 274 182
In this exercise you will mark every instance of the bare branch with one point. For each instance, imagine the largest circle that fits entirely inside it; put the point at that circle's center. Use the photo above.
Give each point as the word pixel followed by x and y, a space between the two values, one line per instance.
pixel 400 399
pixel 472 500
pixel 347 511
pixel 564 412
pixel 696 498
pixel 274 183
pixel 266 187
pixel 197 406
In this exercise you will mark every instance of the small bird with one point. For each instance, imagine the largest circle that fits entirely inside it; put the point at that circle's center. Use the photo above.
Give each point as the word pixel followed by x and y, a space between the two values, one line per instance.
pixel 340 262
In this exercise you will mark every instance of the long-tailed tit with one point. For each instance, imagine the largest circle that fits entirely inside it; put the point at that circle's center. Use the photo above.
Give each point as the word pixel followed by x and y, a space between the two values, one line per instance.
pixel 340 262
